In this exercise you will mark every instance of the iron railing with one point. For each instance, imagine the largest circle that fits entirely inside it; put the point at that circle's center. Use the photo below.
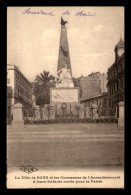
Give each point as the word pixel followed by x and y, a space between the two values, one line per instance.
pixel 71 114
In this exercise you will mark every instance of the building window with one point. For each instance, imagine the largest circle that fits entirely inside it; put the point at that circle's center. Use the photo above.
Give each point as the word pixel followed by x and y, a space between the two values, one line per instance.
pixel 119 69
pixel 116 72
pixel 16 90
pixel 114 88
pixel 8 80
pixel 118 85
pixel 9 95
pixel 122 83
pixel 110 90
pixel 112 104
pixel 105 101
pixel 122 66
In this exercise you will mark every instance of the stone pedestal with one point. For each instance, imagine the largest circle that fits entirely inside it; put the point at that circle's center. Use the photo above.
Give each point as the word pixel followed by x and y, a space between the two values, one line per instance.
pixel 121 114
pixel 64 95
pixel 17 111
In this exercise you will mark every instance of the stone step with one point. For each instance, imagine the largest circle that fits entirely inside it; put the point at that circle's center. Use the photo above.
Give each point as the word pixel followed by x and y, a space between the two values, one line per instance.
pixel 65 133
pixel 16 138
pixel 66 127
pixel 57 132
pixel 62 135
pixel 67 140
pixel 64 130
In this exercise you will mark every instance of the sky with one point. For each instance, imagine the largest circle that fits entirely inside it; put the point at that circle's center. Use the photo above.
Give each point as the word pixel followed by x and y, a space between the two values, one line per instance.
pixel 33 39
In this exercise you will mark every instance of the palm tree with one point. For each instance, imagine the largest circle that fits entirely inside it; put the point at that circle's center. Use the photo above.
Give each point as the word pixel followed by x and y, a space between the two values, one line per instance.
pixel 74 81
pixel 41 90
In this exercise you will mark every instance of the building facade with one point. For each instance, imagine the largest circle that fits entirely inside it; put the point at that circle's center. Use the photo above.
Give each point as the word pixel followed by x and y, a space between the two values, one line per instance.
pixel 100 100
pixel 115 74
pixel 19 89
pixel 93 85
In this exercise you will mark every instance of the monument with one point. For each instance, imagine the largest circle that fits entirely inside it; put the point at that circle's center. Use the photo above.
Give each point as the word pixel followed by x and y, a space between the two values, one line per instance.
pixel 64 92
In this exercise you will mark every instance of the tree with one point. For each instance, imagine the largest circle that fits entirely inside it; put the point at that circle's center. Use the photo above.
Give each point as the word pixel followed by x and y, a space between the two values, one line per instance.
pixel 44 82
pixel 75 82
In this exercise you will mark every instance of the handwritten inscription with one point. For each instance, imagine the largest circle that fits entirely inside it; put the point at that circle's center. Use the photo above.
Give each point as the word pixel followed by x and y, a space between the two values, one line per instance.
pixel 28 11
pixel 81 13
pixel 67 12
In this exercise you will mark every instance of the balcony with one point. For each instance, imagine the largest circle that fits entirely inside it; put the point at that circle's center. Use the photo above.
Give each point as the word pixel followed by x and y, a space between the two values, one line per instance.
pixel 117 93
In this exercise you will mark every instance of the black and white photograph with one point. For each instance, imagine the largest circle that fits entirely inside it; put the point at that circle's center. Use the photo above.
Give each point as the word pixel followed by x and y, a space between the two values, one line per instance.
pixel 65 97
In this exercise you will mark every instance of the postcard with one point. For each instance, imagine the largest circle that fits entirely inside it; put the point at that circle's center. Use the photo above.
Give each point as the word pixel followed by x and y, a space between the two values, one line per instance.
pixel 65 97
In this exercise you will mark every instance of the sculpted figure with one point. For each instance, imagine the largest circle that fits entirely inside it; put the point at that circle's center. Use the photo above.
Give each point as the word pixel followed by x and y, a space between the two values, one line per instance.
pixel 64 78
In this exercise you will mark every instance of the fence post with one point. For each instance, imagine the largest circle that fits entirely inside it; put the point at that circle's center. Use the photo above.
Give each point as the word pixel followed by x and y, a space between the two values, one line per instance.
pixel 18 118
pixel 121 114
pixel 56 113
pixel 70 114
pixel 93 107
pixel 41 113
pixel 116 111
pixel 85 112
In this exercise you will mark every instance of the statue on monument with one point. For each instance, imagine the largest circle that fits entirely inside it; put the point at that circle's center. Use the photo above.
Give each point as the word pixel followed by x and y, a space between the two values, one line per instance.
pixel 65 92
pixel 64 73
pixel 64 78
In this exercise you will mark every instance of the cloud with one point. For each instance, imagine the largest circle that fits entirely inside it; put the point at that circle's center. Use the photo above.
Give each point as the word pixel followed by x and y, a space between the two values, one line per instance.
pixel 98 27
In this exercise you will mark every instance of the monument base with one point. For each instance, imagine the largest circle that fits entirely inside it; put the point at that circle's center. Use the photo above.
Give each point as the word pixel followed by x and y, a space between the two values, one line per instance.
pixel 64 95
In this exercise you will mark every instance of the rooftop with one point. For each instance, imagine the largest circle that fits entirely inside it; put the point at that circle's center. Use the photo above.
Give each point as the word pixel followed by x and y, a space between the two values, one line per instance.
pixel 14 67
pixel 101 95
pixel 120 43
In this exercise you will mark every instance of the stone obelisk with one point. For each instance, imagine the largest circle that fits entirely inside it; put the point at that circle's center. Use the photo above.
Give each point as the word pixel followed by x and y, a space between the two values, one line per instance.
pixel 64 91
pixel 64 71
pixel 64 56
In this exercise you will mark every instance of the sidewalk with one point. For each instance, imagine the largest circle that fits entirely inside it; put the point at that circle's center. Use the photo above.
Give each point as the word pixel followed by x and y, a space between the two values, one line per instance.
pixel 66 145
